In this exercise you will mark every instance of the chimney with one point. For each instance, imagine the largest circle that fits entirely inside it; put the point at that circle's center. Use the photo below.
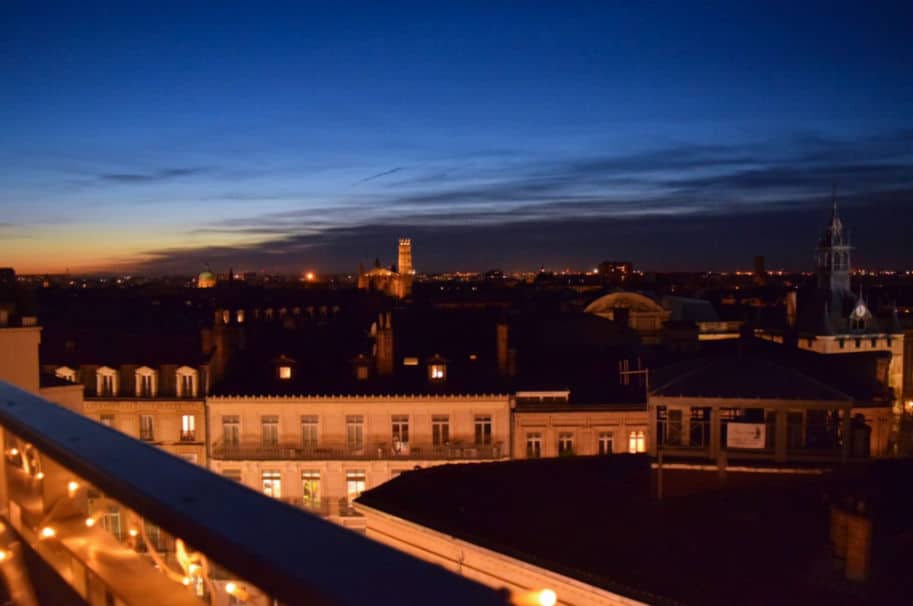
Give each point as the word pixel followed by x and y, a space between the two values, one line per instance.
pixel 502 343
pixel 383 357
pixel 791 309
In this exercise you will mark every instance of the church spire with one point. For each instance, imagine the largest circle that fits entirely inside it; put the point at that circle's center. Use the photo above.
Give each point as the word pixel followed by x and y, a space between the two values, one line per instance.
pixel 833 253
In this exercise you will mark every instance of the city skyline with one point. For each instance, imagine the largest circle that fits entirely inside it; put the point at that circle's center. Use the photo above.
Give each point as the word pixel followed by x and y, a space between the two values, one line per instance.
pixel 681 139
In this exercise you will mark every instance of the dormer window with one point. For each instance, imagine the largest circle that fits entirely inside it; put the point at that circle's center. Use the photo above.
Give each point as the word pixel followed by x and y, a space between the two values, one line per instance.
pixel 437 369
pixel 361 372
pixel 66 373
pixel 106 383
pixel 285 372
pixel 188 381
pixel 146 382
pixel 284 368
pixel 410 361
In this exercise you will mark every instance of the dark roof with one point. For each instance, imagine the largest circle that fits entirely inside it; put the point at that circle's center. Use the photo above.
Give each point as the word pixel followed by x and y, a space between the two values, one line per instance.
pixel 325 356
pixel 760 538
pixel 74 348
pixel 739 376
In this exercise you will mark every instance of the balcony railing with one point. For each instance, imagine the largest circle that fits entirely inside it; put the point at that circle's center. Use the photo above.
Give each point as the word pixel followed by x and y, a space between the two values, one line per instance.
pixel 87 498
pixel 424 452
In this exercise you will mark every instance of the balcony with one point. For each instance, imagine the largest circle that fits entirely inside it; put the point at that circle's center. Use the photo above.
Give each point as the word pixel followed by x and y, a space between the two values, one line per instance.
pixel 379 451
pixel 85 500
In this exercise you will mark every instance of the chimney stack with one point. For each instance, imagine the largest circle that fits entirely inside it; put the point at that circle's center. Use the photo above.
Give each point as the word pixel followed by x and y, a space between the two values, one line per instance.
pixel 502 347
pixel 383 357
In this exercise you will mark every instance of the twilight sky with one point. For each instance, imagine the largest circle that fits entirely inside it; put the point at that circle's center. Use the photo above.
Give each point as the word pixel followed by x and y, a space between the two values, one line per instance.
pixel 309 135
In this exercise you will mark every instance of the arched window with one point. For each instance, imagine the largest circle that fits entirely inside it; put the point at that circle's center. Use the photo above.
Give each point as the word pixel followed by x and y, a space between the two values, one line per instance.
pixel 188 382
pixel 106 382
pixel 146 382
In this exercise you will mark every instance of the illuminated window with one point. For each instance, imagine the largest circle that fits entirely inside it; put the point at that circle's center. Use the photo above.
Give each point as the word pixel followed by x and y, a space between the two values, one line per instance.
pixel 269 430
pixel 636 442
pixel 400 433
pixel 310 487
pixel 606 443
pixel 355 432
pixel 483 429
pixel 107 420
pixel 188 428
pixel 309 432
pixel 410 361
pixel 533 445
pixel 437 372
pixel 65 373
pixel 239 316
pixel 285 372
pixel 272 483
pixel 361 372
pixel 190 457
pixel 440 430
pixel 355 484
pixel 145 428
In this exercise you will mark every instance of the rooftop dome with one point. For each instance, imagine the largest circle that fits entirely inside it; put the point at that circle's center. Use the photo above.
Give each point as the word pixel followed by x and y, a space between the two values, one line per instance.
pixel 206 279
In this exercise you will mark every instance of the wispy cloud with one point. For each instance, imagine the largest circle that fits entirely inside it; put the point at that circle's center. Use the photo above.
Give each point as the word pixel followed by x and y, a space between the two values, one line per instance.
pixel 379 175
pixel 165 174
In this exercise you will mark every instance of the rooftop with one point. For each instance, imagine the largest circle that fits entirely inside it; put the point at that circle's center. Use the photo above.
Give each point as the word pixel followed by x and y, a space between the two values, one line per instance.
pixel 594 519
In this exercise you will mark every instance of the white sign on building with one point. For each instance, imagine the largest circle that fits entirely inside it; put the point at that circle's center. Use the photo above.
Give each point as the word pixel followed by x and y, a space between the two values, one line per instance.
pixel 746 435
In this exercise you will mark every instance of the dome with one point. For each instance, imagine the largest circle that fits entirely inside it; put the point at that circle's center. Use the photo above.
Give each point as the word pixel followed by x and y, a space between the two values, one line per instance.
pixel 206 279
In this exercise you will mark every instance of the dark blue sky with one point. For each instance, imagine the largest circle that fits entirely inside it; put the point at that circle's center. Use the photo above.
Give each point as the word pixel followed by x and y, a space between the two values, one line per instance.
pixel 310 135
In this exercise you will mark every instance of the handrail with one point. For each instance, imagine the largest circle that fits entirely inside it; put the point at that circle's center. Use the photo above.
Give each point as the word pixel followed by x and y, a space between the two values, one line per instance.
pixel 295 557
pixel 378 451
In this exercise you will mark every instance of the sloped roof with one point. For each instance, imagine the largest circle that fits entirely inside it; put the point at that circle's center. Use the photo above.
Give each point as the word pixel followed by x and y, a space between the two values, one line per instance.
pixel 743 376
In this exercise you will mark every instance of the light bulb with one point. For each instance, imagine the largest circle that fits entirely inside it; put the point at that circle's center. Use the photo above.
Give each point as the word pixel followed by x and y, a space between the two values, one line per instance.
pixel 47 532
pixel 90 522
pixel 4 555
pixel 231 587
pixel 186 581
pixel 133 532
pixel 14 451
pixel 72 487
pixel 39 475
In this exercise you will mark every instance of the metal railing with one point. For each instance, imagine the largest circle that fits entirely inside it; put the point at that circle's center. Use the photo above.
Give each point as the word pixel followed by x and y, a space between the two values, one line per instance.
pixel 56 462
pixel 423 452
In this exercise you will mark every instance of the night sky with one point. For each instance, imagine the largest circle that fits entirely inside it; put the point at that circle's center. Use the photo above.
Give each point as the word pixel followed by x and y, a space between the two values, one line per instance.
pixel 310 135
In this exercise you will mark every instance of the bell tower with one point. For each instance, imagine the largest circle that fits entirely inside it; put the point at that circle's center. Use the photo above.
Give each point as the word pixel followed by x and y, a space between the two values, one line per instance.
pixel 404 262
pixel 833 256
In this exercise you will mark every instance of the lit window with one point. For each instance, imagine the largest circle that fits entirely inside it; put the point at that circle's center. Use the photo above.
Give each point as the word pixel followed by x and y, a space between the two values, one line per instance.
pixel 606 443
pixel 107 420
pixel 410 361
pixel 400 434
pixel 188 428
pixel 272 483
pixel 437 372
pixel 285 372
pixel 361 372
pixel 106 382
pixel 636 442
pixel 355 484
pixel 190 457
pixel 533 445
pixel 310 487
